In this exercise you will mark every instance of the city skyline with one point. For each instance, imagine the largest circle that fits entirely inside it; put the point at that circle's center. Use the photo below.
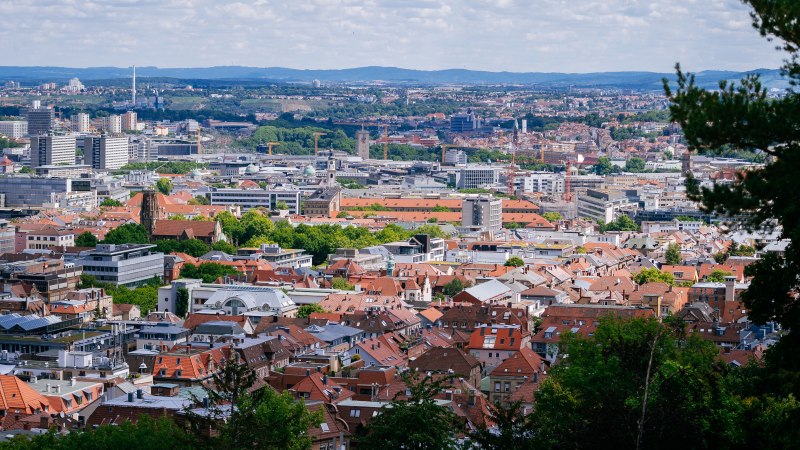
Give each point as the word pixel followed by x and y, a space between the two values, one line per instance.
pixel 502 35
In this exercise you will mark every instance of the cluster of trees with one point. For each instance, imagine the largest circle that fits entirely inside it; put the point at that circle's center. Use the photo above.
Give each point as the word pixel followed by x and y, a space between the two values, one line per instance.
pixel 176 167
pixel 734 250
pixel 403 152
pixel 669 388
pixel 208 271
pixel 621 223
pixel 144 296
pixel 255 229
pixel 653 275
pixel 298 140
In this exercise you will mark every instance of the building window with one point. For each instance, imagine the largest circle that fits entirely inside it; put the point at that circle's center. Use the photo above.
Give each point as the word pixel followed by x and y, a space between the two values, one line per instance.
pixel 497 386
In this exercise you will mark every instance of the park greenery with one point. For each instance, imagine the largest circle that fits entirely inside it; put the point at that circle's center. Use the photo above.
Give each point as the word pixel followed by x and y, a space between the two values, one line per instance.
pixel 209 272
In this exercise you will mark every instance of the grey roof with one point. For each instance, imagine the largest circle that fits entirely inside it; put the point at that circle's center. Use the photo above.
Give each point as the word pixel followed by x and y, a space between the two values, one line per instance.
pixel 29 322
pixel 487 290
pixel 333 331
pixel 161 329
pixel 216 255
pixel 219 327
pixel 151 401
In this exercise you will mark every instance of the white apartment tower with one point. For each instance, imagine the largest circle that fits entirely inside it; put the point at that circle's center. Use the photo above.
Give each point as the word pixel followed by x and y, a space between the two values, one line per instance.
pixel 80 122
pixel 51 150
pixel 105 152
pixel 484 213
pixel 113 124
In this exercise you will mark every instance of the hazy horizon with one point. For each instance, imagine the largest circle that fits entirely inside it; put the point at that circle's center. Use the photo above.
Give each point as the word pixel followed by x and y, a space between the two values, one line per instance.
pixel 577 36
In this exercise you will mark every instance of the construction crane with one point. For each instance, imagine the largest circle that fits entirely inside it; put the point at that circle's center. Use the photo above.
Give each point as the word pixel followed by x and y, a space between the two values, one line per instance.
pixel 269 147
pixel 444 150
pixel 385 142
pixel 317 134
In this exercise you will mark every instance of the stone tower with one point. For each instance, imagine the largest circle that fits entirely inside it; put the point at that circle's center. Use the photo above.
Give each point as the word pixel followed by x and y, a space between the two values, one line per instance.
pixel 362 144
pixel 148 213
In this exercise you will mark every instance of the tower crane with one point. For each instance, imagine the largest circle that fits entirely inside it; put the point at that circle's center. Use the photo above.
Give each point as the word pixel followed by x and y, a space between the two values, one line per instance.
pixel 317 134
pixel 385 142
pixel 269 147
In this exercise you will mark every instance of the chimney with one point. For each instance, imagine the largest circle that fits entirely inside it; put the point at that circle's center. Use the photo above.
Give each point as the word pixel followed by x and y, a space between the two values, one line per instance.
pixel 730 288
pixel 325 380
pixel 536 376
pixel 130 397
pixel 139 394
pixel 308 372
pixel 205 402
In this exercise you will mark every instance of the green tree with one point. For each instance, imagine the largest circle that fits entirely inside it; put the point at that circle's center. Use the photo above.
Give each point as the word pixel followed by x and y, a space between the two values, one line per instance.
pixel 673 255
pixel 454 287
pixel 26 169
pixel 147 432
pixel 604 166
pixel 653 275
pixel 621 223
pixel 130 233
pixel 222 246
pixel 231 226
pixel 743 116
pixel 342 284
pixel 634 165
pixel 667 383
pixel 281 205
pixel 110 202
pixel 342 215
pixel 199 200
pixel 552 216
pixel 511 226
pixel 259 418
pixel 439 208
pixel 718 276
pixel 434 231
pixel 514 261
pixel 306 310
pixel 194 247
pixel 414 423
pixel 208 271
pixel 86 239
pixel 164 185
pixel 511 429
pixel 182 304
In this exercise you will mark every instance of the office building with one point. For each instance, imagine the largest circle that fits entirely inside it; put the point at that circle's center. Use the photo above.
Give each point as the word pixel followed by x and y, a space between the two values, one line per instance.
pixel 40 121
pixel 130 121
pixel 475 177
pixel 112 124
pixel 123 265
pixel 482 213
pixel 256 198
pixel 105 152
pixel 7 237
pixel 49 238
pixel 362 144
pixel 51 150
pixel 80 122
pixel 603 206
pixel 26 191
pixel 14 129
pixel 455 157
pixel 464 123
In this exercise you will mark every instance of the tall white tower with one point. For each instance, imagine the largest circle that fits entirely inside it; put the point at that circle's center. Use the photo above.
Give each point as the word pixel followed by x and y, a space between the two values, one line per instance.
pixel 133 90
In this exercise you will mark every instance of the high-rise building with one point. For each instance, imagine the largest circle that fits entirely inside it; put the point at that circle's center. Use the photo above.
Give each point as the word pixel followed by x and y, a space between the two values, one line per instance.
pixel 40 120
pixel 484 213
pixel 105 152
pixel 113 124
pixel 80 122
pixel 130 121
pixel 464 123
pixel 14 129
pixel 51 150
pixel 362 144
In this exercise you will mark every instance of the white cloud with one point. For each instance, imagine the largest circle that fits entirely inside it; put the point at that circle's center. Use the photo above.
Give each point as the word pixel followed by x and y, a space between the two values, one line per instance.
pixel 512 35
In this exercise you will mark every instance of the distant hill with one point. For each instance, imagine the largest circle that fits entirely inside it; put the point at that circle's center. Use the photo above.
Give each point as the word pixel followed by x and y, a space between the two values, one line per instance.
pixel 629 80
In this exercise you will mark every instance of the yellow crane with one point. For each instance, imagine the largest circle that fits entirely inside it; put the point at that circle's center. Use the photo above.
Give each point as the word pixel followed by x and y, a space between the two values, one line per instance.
pixel 385 142
pixel 269 147
pixel 317 134
pixel 444 149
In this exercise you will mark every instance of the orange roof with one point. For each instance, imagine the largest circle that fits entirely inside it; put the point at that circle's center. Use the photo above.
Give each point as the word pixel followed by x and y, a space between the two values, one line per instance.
pixel 506 338
pixel 16 395
pixel 454 204
pixel 197 366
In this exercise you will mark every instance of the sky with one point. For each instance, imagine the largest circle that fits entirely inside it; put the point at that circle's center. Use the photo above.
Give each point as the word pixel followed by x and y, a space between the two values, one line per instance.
pixel 494 35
